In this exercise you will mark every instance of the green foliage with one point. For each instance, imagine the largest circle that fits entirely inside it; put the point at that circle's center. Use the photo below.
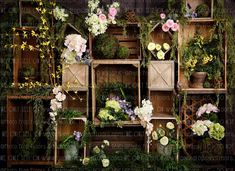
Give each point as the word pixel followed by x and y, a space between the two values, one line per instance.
pixel 123 52
pixel 202 10
pixel 121 90
pixel 39 112
pixel 69 114
pixel 105 46
pixel 28 71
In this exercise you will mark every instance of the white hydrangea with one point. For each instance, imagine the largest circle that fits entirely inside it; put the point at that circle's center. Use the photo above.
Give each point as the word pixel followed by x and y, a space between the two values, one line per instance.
pixel 69 56
pixel 75 42
pixel 199 128
pixel 92 5
pixel 59 14
pixel 207 108
pixel 115 5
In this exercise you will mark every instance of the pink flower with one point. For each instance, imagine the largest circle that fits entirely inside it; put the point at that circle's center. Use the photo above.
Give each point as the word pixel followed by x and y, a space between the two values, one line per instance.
pixel 169 23
pixel 112 11
pixel 102 17
pixel 165 28
pixel 163 16
pixel 175 27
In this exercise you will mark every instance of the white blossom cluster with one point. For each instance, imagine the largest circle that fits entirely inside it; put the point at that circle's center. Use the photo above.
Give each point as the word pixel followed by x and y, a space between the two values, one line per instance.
pixel 59 14
pixel 76 46
pixel 97 19
pixel 56 103
pixel 200 127
pixel 145 113
pixel 207 108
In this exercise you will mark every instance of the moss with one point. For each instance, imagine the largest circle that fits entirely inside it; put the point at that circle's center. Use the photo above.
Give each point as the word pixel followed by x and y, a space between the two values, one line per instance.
pixel 123 52
pixel 202 10
pixel 105 46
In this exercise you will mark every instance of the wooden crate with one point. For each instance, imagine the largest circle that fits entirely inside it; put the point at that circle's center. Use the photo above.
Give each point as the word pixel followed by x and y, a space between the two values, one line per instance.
pixel 114 71
pixel 162 103
pixel 77 101
pixel 156 123
pixel 23 58
pixel 186 33
pixel 64 129
pixel 20 122
pixel 130 40
pixel 195 3
pixel 28 15
pixel 119 138
pixel 75 77
pixel 188 117
pixel 161 75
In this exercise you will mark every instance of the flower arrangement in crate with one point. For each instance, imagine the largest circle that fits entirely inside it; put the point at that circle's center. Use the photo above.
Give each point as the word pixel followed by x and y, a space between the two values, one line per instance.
pixel 98 19
pixel 116 109
pixel 201 60
pixel 70 144
pixel 166 24
pixel 166 139
pixel 208 127
pixel 99 157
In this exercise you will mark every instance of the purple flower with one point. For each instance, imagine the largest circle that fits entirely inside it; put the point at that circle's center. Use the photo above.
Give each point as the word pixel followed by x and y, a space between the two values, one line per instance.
pixel 77 135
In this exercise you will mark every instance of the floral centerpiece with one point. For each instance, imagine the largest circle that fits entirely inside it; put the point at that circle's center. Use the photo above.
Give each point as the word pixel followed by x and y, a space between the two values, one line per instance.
pixel 166 139
pixel 209 126
pixel 202 56
pixel 116 110
pixel 211 132
pixel 98 19
pixel 168 23
pixel 98 156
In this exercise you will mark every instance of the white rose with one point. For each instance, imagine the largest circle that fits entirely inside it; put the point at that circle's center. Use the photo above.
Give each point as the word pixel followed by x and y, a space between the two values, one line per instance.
pixel 105 162
pixel 170 125
pixel 154 135
pixel 57 89
pixel 164 141
pixel 106 142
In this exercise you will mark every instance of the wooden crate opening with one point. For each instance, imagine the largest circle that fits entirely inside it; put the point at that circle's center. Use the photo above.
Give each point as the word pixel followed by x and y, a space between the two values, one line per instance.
pixel 65 129
pixel 25 58
pixel 162 103
pixel 76 101
pixel 194 3
pixel 21 128
pixel 129 40
pixel 156 124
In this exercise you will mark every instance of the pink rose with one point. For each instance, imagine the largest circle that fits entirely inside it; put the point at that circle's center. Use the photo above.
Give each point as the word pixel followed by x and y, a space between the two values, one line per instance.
pixel 163 16
pixel 169 23
pixel 175 27
pixel 165 28
pixel 102 17
pixel 112 11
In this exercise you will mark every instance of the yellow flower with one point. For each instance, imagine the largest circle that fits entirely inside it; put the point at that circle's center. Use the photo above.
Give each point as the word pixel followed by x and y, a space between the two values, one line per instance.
pixel 158 47
pixel 151 46
pixel 25 35
pixel 160 55
pixel 23 45
pixel 31 47
pixel 166 46
pixel 43 20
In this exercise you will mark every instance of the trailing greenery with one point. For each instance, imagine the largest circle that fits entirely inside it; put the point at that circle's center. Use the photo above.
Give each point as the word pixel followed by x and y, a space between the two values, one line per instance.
pixel 39 112
pixel 69 114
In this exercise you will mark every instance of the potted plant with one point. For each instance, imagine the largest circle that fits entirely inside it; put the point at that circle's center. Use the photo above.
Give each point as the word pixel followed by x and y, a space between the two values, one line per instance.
pixel 70 145
pixel 201 61
pixel 166 139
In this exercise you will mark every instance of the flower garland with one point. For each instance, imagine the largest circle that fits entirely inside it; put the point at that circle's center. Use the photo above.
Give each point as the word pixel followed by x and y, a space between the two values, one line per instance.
pixel 97 20
pixel 56 103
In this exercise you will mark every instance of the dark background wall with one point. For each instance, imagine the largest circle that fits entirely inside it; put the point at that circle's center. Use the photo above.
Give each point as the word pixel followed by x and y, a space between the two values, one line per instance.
pixel 141 7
